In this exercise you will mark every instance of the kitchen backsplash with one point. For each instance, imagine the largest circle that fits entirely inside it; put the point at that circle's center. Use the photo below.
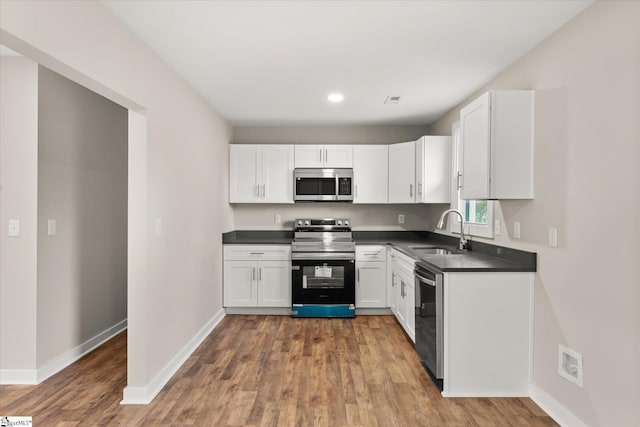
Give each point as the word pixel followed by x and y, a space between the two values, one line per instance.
pixel 364 217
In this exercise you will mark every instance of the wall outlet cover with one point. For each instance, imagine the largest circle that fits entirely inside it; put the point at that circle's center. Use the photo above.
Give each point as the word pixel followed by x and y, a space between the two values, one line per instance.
pixel 51 227
pixel 14 228
pixel 516 230
pixel 553 237
pixel 400 218
pixel 570 365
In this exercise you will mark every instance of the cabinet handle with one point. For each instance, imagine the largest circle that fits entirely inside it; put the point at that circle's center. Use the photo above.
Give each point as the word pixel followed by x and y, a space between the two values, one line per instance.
pixel 259 274
pixel 253 273
pixel 326 155
pixel 358 275
pixel 321 156
pixel 256 253
pixel 419 189
pixel 458 180
pixel 410 190
pixel 393 279
pixel 402 288
pixel 355 187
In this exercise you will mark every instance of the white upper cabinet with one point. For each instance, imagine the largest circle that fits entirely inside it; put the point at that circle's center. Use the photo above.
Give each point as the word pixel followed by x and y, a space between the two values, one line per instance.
pixel 433 169
pixel 402 176
pixel 498 146
pixel 261 173
pixel 324 156
pixel 370 173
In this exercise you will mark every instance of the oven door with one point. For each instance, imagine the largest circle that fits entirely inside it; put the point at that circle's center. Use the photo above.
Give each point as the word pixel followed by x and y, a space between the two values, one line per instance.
pixel 323 278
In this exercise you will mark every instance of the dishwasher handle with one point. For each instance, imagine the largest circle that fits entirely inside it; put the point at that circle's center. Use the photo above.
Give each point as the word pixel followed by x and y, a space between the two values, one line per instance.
pixel 423 279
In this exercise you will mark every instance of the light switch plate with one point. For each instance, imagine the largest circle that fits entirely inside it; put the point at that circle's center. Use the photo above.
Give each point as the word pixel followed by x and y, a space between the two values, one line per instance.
pixel 553 237
pixel 14 228
pixel 400 218
pixel 277 219
pixel 516 230
pixel 51 227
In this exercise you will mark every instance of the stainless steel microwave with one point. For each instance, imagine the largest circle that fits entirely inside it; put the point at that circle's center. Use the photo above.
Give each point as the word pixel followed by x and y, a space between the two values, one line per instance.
pixel 323 185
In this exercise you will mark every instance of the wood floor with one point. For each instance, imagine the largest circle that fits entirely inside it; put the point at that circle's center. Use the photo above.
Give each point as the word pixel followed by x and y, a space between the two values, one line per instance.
pixel 270 371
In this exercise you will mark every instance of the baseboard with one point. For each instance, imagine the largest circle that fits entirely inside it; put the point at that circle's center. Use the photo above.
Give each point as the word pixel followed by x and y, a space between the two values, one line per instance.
pixel 485 394
pixel 52 367
pixel 272 311
pixel 559 413
pixel 144 395
pixel 373 312
pixel 18 376
pixel 57 364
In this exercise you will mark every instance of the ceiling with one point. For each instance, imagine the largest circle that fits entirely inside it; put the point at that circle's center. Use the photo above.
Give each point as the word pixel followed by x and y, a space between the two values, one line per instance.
pixel 275 62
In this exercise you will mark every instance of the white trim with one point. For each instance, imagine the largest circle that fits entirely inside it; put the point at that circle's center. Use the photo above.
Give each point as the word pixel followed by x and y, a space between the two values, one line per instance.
pixel 60 362
pixel 559 413
pixel 269 311
pixel 492 393
pixel 144 395
pixel 57 364
pixel 18 376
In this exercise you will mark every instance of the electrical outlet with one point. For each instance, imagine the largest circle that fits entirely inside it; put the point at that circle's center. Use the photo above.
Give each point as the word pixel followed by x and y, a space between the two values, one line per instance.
pixel 277 219
pixel 570 365
pixel 553 237
pixel 400 218
pixel 14 228
pixel 516 230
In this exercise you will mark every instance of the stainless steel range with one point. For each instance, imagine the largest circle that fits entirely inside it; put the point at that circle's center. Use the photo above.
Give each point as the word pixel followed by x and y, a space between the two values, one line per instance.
pixel 323 257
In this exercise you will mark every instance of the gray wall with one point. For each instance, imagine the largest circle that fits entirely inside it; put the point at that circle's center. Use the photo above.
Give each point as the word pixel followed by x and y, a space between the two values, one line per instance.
pixel 587 293
pixel 82 184
pixel 18 200
pixel 364 217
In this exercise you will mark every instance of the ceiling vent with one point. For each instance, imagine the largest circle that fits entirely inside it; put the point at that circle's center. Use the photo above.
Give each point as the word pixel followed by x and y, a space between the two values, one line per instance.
pixel 392 99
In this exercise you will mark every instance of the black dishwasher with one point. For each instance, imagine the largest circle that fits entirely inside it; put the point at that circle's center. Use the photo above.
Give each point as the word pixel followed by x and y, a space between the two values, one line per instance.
pixel 429 321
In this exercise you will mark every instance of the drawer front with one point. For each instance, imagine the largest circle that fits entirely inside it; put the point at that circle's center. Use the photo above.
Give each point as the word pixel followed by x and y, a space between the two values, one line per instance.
pixel 257 252
pixel 371 253
pixel 405 262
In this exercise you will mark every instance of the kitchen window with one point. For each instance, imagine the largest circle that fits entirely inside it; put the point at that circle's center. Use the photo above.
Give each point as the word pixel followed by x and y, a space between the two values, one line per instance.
pixel 478 214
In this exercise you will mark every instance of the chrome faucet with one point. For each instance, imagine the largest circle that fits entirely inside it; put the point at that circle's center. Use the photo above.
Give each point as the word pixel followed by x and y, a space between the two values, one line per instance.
pixel 463 242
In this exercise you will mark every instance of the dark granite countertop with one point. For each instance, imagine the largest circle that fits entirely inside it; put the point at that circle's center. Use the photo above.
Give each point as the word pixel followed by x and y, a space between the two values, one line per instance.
pixel 482 256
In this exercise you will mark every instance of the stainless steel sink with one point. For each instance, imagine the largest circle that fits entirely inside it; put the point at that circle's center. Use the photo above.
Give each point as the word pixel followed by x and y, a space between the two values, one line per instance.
pixel 430 250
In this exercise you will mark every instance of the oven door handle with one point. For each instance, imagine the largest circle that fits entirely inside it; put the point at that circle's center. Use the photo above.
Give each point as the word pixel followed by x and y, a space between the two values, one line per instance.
pixel 313 256
pixel 425 280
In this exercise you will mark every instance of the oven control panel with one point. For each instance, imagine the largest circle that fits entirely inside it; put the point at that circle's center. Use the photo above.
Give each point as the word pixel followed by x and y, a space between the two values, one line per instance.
pixel 323 224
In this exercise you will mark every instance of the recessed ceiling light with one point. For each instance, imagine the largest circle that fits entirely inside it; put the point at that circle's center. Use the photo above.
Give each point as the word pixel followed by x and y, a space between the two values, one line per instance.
pixel 335 97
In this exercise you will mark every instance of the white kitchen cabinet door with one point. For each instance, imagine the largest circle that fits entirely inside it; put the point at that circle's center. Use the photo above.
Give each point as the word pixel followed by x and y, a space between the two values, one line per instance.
pixel 371 289
pixel 371 173
pixel 392 288
pixel 261 173
pixel 274 284
pixel 497 136
pixel 402 176
pixel 309 156
pixel 244 182
pixel 323 156
pixel 240 279
pixel 277 174
pixel 338 156
pixel 433 169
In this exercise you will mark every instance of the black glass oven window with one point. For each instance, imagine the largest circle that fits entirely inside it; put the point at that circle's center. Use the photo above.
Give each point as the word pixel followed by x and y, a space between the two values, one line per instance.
pixel 316 186
pixel 322 276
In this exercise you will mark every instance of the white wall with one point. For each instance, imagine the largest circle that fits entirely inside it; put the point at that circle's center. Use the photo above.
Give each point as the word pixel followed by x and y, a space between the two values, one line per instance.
pixel 18 200
pixel 587 291
pixel 364 217
pixel 82 185
pixel 186 169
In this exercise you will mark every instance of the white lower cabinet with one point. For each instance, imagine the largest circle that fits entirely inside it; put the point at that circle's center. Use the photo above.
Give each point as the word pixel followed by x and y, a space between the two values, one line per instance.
pixel 401 289
pixel 257 276
pixel 371 273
